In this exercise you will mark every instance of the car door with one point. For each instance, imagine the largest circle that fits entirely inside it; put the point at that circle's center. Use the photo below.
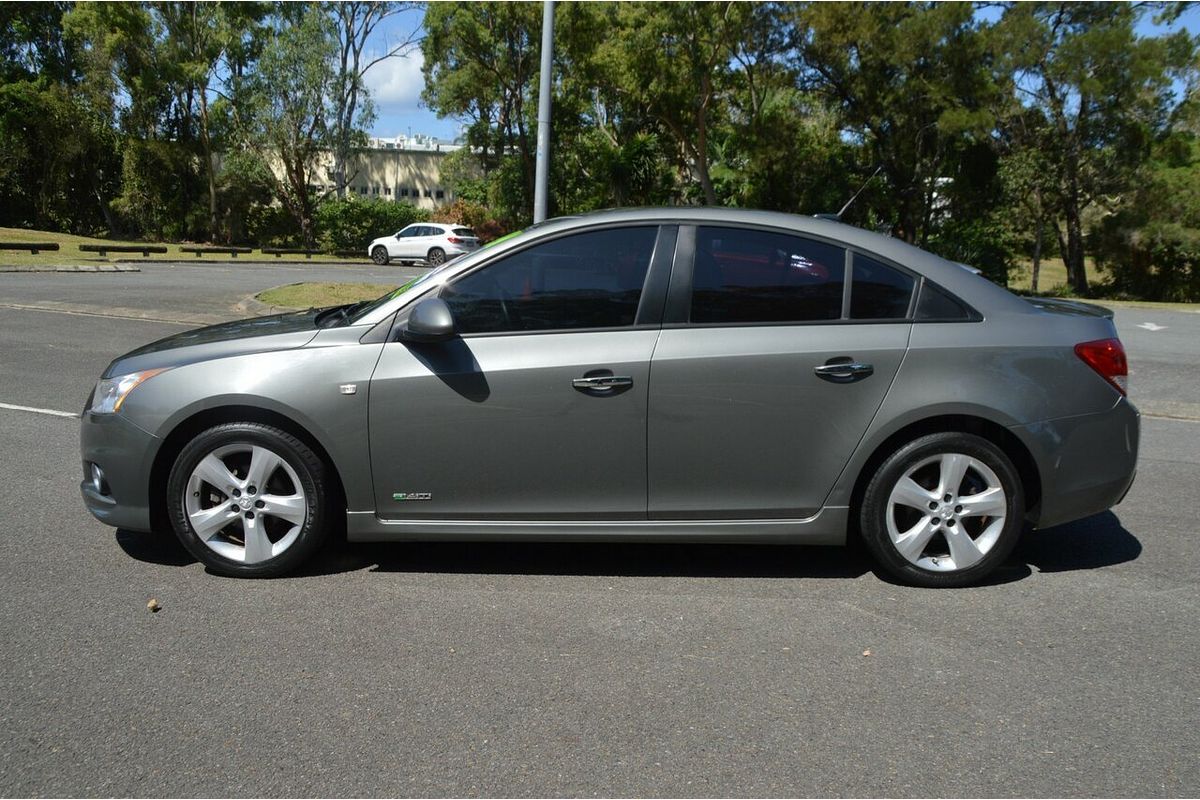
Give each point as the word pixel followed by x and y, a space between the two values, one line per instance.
pixel 402 244
pixel 768 371
pixel 537 409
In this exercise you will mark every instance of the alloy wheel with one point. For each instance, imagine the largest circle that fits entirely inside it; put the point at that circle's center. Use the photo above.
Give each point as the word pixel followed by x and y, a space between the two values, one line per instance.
pixel 245 502
pixel 947 512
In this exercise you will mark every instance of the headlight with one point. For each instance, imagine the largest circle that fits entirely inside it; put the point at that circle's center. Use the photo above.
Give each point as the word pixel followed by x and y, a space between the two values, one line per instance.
pixel 111 392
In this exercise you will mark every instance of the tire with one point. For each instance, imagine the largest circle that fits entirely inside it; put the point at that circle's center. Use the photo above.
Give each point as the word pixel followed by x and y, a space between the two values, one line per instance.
pixel 213 481
pixel 437 257
pixel 918 536
pixel 379 255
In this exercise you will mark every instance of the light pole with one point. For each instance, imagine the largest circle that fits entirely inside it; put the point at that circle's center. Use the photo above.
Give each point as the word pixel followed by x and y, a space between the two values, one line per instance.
pixel 543 134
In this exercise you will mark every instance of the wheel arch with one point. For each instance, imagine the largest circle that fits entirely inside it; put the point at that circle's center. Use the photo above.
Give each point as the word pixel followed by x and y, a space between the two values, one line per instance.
pixel 188 428
pixel 1002 437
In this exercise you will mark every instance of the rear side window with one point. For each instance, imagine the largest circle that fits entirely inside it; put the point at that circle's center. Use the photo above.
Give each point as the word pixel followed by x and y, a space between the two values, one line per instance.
pixel 879 291
pixel 937 304
pixel 748 276
pixel 463 232
pixel 588 280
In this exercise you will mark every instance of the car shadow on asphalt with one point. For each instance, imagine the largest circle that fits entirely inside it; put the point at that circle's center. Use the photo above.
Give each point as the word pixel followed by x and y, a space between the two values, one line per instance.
pixel 1095 542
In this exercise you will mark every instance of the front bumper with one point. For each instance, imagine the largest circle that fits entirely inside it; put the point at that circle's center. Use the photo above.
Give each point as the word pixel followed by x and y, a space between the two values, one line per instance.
pixel 1087 463
pixel 125 454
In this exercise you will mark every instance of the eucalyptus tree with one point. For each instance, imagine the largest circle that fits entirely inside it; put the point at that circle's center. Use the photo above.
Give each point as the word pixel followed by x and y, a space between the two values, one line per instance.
pixel 910 85
pixel 1104 91
pixel 355 23
pixel 286 109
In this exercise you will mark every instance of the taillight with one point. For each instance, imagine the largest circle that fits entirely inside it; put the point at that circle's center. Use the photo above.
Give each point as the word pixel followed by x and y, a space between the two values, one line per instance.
pixel 1107 357
pixel 454 240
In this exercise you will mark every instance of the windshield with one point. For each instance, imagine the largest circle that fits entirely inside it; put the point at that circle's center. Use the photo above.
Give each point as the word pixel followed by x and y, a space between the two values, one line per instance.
pixel 358 311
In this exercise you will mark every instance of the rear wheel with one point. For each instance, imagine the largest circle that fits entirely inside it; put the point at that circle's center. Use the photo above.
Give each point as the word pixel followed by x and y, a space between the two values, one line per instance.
pixel 944 510
pixel 379 255
pixel 437 257
pixel 248 500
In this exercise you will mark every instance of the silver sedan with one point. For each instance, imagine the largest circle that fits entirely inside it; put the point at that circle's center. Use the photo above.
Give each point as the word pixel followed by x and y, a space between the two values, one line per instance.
pixel 674 374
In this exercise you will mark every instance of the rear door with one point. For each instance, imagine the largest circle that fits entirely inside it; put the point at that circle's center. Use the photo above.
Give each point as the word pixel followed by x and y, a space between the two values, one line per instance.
pixel 771 364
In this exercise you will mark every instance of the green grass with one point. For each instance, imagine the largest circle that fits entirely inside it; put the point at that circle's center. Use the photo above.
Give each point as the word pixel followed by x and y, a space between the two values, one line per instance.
pixel 1053 276
pixel 317 294
pixel 69 253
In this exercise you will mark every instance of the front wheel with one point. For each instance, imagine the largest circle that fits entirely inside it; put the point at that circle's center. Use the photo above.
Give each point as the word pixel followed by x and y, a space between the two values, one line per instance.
pixel 944 510
pixel 379 255
pixel 248 500
pixel 437 257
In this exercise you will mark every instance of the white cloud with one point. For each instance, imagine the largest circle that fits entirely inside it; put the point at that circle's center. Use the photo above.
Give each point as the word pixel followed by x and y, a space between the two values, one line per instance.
pixel 396 83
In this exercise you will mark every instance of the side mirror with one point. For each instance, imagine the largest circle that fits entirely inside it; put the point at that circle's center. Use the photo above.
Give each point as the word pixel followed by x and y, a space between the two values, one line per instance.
pixel 430 321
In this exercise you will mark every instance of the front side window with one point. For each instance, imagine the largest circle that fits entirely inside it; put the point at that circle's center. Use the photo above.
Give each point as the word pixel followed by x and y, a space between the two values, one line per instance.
pixel 585 280
pixel 879 291
pixel 750 276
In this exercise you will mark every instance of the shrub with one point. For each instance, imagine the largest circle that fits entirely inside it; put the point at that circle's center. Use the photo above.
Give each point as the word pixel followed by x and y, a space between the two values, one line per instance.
pixel 475 216
pixel 349 223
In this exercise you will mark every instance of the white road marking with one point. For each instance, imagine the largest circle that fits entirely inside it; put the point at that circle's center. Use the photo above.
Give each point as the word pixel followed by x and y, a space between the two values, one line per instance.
pixel 1150 326
pixel 49 411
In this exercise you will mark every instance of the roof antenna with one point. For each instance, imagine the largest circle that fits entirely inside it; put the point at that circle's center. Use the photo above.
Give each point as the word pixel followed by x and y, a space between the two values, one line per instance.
pixel 838 216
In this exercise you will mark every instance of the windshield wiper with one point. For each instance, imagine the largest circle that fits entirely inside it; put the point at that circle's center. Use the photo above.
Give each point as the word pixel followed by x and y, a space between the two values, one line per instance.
pixel 338 315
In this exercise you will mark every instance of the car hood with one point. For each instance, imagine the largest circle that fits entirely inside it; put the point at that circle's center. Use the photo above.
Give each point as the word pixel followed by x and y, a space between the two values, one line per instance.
pixel 257 335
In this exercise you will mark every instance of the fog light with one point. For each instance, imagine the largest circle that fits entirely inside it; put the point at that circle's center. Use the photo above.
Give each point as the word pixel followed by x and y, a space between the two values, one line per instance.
pixel 98 481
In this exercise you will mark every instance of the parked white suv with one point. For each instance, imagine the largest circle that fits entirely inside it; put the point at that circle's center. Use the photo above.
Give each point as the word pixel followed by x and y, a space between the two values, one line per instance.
pixel 431 242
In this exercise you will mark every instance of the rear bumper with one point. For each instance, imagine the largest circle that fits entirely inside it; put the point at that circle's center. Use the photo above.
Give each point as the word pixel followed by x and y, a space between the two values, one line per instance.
pixel 1087 463
pixel 125 454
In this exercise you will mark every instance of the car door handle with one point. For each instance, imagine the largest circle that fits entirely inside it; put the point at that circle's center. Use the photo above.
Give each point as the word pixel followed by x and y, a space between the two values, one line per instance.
pixel 601 383
pixel 843 369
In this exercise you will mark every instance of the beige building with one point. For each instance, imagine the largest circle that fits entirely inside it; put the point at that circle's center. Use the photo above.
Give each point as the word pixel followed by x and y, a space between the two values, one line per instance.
pixel 403 169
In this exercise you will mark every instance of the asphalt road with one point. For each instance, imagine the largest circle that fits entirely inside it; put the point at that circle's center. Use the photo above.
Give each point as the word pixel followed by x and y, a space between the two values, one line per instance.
pixel 540 669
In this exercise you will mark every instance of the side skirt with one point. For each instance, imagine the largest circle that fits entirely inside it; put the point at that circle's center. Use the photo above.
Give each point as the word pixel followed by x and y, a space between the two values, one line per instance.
pixel 826 527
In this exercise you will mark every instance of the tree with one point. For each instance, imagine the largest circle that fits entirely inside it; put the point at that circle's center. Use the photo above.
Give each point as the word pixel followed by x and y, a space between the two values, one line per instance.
pixel 673 60
pixel 481 63
pixel 355 21
pixel 286 110
pixel 1103 91
pixel 58 155
pixel 910 85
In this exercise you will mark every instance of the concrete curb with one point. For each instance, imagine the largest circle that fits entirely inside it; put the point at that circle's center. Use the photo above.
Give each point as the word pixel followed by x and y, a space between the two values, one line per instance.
pixel 225 262
pixel 71 268
pixel 252 306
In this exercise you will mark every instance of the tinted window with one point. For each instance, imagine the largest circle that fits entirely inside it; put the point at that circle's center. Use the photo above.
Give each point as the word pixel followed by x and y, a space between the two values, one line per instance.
pixel 589 280
pixel 463 232
pixel 935 303
pixel 755 276
pixel 879 291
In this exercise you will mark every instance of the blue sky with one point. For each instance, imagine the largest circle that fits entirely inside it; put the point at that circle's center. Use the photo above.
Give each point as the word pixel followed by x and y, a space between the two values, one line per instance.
pixel 396 83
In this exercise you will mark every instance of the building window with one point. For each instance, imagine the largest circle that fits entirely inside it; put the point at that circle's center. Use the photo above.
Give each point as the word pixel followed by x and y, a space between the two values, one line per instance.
pixel 428 193
pixel 362 190
pixel 387 190
pixel 375 190
pixel 404 192
pixel 440 195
